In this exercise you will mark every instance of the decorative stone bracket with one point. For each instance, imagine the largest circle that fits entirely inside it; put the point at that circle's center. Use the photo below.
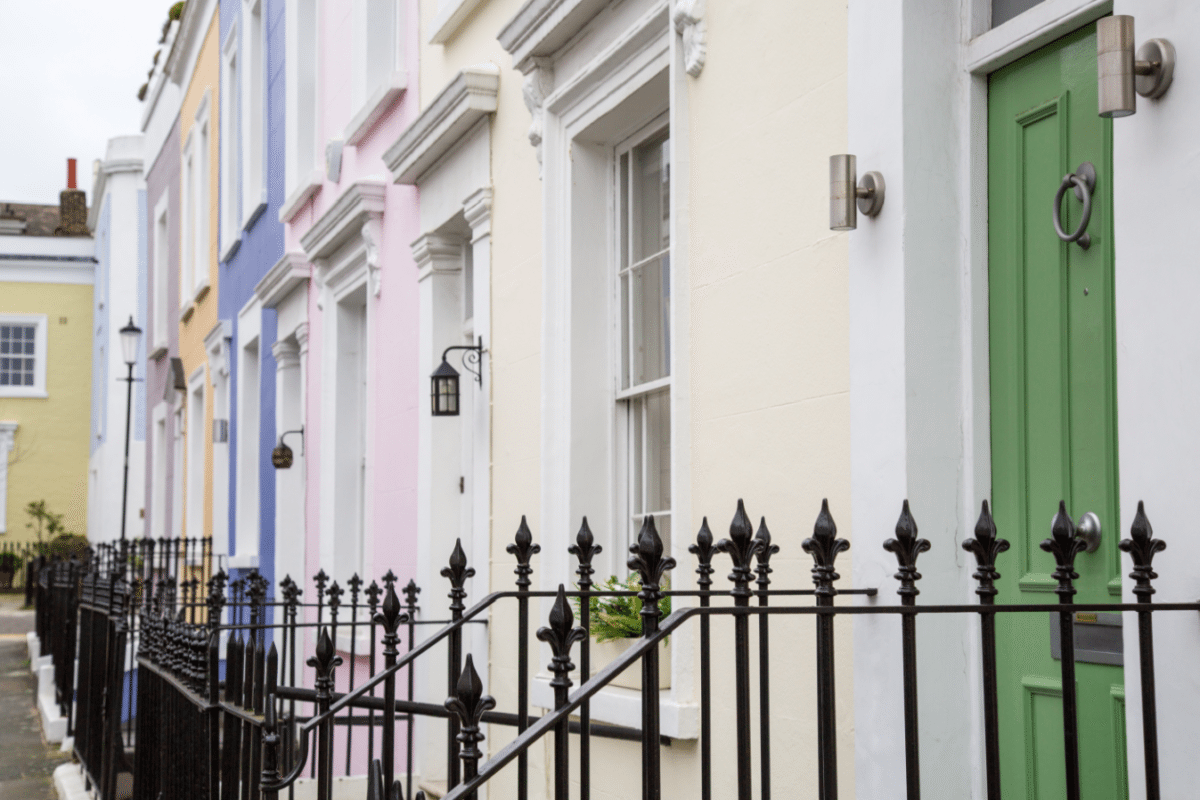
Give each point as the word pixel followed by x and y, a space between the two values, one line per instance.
pixel 690 24
pixel 539 82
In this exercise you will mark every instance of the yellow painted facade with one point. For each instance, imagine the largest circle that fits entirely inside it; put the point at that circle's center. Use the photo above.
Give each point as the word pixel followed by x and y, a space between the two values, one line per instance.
pixel 200 315
pixel 49 459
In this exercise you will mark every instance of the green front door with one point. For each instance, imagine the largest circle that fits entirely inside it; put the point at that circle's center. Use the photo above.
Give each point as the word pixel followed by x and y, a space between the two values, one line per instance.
pixel 1053 408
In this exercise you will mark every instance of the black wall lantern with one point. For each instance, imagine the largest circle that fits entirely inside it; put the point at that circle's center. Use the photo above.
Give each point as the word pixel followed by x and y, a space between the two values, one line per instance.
pixel 443 392
pixel 281 456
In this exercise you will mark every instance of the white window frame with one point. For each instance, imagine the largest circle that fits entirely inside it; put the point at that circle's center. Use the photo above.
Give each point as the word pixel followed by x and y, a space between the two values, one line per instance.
pixel 158 474
pixel 253 112
pixel 162 257
pixel 378 77
pixel 178 460
pixel 40 355
pixel 626 398
pixel 196 447
pixel 187 230
pixel 201 135
pixel 249 427
pixel 303 176
pixel 232 115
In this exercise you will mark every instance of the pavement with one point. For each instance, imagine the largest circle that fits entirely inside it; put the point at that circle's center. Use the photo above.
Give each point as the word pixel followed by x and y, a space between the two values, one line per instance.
pixel 26 760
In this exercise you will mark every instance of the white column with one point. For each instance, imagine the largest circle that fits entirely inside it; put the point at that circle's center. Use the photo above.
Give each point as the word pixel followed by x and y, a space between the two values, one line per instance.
pixel 289 483
pixel 7 434
pixel 439 264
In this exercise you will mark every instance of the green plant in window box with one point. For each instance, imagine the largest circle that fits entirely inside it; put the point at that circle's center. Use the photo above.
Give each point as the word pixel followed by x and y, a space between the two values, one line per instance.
pixel 619 617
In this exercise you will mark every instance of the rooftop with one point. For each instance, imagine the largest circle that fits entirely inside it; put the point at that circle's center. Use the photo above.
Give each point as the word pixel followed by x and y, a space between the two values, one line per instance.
pixel 28 219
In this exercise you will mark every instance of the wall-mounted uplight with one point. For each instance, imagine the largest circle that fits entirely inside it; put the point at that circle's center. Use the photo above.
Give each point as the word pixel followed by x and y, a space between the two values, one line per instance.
pixel 443 392
pixel 1122 74
pixel 847 196
pixel 281 456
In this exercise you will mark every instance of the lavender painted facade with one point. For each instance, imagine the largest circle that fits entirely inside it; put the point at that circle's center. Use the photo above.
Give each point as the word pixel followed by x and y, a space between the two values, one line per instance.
pixel 163 397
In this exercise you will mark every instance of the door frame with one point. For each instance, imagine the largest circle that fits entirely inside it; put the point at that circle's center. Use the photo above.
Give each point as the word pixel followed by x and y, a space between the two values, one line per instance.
pixel 925 255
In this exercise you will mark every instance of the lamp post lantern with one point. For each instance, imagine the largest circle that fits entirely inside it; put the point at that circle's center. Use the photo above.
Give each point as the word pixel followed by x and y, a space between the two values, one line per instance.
pixel 130 338
pixel 443 389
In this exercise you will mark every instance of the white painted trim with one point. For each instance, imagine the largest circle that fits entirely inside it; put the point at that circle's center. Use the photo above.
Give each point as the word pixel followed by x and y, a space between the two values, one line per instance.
pixel 252 159
pixel 617 706
pixel 300 196
pixel 30 271
pixel 185 48
pixel 291 271
pixel 159 271
pixel 378 104
pixel 157 525
pixel 41 355
pixel 196 479
pixel 232 150
pixel 362 200
pixel 247 523
pixel 542 27
pixel 8 430
pixel 450 17
pixel 465 100
pixel 1030 30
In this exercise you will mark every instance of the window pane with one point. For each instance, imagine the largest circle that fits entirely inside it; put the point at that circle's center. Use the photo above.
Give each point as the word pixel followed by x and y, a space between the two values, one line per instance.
pixel 652 190
pixel 658 452
pixel 651 317
pixel 637 452
pixel 624 330
pixel 623 222
pixel 1004 10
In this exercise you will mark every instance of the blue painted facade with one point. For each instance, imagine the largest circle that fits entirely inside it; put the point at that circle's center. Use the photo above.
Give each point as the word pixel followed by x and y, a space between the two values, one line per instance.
pixel 261 246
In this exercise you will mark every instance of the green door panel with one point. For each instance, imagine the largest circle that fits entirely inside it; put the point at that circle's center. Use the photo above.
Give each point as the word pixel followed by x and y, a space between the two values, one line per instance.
pixel 1053 406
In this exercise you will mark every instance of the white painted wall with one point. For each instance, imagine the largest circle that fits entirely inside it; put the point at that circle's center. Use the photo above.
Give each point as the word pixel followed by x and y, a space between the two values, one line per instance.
pixel 1158 377
pixel 119 181
pixel 919 363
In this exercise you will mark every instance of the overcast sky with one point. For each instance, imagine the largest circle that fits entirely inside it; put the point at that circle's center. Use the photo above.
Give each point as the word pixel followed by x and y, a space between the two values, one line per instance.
pixel 69 75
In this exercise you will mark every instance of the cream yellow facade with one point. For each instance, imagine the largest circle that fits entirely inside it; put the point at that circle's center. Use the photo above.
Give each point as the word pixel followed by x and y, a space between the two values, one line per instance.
pixel 49 451
pixel 759 295
pixel 199 123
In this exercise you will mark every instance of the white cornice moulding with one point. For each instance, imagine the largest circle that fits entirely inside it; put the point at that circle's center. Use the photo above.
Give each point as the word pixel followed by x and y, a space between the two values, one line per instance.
pixel 541 27
pixel 450 19
pixel 361 200
pixel 47 272
pixel 376 106
pixel 191 27
pixel 467 99
pixel 290 272
pixel 303 193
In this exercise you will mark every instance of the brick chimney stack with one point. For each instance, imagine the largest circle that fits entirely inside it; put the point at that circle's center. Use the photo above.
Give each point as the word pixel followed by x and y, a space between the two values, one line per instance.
pixel 72 207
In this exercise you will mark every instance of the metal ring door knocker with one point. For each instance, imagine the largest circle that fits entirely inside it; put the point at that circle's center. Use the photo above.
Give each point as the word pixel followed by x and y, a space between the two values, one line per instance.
pixel 1084 182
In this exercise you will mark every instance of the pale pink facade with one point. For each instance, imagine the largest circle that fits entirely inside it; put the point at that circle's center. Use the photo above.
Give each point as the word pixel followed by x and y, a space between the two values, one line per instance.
pixel 353 217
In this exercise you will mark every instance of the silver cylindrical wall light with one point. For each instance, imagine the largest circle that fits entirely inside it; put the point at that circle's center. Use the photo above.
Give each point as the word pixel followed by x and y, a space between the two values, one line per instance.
pixel 1124 74
pixel 847 196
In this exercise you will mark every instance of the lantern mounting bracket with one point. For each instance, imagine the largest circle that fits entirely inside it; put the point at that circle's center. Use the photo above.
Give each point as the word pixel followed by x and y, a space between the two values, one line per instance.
pixel 472 358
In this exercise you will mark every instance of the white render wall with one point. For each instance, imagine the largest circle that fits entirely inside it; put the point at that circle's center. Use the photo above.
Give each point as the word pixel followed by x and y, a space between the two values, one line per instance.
pixel 1158 381
pixel 120 181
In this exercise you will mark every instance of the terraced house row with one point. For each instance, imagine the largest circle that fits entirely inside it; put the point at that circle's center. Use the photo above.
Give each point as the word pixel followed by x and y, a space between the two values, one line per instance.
pixel 493 297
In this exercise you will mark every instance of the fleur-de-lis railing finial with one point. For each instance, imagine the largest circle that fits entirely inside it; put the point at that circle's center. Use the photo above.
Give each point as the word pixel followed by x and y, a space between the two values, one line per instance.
pixel 469 704
pixel 986 547
pixel 1064 546
pixel 704 549
pixel 524 548
pixel 373 593
pixel 216 597
pixel 355 583
pixel 291 592
pixel 648 561
pixel 324 661
pixel 321 580
pixel 390 617
pixel 766 549
pixel 411 590
pixel 1142 546
pixel 906 547
pixel 560 634
pixel 458 572
pixel 334 593
pixel 824 547
pixel 741 547
pixel 585 549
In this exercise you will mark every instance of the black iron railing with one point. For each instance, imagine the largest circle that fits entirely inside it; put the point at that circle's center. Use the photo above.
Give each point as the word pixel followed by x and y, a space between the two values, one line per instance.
pixel 224 696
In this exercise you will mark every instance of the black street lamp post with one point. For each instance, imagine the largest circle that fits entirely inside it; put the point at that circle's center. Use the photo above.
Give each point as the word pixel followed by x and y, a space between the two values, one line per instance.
pixel 130 336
